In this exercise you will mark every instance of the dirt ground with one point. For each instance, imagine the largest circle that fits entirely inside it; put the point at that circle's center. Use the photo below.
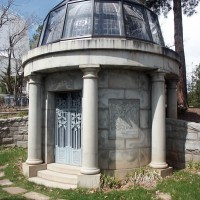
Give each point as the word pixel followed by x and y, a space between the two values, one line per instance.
pixel 192 115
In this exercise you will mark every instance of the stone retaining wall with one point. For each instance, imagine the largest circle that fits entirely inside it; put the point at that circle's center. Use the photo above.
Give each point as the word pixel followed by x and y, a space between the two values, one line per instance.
pixel 14 131
pixel 183 138
pixel 183 142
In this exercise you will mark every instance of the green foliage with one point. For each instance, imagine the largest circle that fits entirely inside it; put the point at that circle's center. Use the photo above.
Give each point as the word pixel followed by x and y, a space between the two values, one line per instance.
pixel 194 166
pixel 145 177
pixel 164 6
pixel 194 88
pixel 35 38
pixel 109 182
pixel 22 113
pixel 7 83
pixel 159 6
pixel 11 114
pixel 11 155
pixel 181 185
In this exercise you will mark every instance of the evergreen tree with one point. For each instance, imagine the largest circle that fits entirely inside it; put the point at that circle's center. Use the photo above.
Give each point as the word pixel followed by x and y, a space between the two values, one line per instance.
pixel 194 88
pixel 35 38
pixel 179 6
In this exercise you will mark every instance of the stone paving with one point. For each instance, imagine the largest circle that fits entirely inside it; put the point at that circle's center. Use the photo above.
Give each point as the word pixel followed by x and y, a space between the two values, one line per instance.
pixel 163 196
pixel 14 190
pixel 2 174
pixel 35 195
pixel 5 182
pixel 3 167
pixel 7 186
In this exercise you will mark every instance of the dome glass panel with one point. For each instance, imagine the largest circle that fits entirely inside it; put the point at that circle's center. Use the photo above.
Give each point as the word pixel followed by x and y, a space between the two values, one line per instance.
pixel 55 25
pixel 135 22
pixel 78 19
pixel 107 18
pixel 154 27
pixel 129 19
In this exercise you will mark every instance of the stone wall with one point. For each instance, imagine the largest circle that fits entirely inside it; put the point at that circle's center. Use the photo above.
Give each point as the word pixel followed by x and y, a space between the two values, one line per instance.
pixel 183 142
pixel 14 131
pixel 124 120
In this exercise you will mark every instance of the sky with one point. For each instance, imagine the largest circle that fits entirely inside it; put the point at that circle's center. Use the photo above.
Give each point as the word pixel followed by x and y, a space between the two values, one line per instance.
pixel 38 7
pixel 190 24
pixel 191 34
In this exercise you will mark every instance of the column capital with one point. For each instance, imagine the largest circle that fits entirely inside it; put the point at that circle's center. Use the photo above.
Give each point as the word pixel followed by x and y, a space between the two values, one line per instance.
pixel 158 76
pixel 90 72
pixel 172 83
pixel 35 79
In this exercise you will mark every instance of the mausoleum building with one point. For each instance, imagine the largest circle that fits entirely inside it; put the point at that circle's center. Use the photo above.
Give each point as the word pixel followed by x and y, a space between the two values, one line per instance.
pixel 101 84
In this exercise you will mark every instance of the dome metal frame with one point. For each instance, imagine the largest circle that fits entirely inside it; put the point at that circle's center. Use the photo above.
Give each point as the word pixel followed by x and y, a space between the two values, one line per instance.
pixel 131 17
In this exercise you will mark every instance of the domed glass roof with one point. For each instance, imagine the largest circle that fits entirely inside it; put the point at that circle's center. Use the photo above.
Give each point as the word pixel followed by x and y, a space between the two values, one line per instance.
pixel 101 18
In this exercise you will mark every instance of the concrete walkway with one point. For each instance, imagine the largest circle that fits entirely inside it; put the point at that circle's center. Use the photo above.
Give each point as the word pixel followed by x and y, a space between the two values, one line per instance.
pixel 8 187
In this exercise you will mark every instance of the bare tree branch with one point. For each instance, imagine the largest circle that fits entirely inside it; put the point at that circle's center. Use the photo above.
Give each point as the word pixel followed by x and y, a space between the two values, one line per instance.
pixel 14 37
pixel 4 11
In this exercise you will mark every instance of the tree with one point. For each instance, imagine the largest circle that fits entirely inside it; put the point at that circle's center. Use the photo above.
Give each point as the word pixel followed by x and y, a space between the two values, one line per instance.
pixel 14 48
pixel 35 38
pixel 4 8
pixel 179 6
pixel 194 88
pixel 14 43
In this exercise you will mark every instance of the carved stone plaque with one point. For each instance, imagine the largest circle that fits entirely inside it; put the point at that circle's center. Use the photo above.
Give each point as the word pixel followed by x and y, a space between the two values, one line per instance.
pixel 124 118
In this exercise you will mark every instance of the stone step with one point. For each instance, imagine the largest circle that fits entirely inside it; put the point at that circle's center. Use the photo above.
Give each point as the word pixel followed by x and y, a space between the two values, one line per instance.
pixel 64 169
pixel 57 177
pixel 52 184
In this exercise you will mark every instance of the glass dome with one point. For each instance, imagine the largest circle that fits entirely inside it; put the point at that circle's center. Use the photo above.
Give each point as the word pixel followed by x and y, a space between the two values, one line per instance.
pixel 101 18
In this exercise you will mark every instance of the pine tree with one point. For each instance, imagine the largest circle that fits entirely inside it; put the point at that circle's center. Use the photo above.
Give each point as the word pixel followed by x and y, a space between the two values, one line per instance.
pixel 35 38
pixel 179 6
pixel 194 88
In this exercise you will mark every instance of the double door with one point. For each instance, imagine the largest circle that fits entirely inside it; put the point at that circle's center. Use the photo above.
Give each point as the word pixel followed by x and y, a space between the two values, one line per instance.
pixel 68 128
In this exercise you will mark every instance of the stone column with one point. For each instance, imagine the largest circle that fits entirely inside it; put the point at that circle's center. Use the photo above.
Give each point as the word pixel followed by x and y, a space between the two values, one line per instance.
pixel 158 151
pixel 172 98
pixel 90 121
pixel 34 125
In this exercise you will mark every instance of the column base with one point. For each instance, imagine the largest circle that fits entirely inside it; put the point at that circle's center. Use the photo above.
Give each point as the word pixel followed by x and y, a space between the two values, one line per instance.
pixel 34 161
pixel 90 171
pixel 31 170
pixel 165 172
pixel 156 165
pixel 89 181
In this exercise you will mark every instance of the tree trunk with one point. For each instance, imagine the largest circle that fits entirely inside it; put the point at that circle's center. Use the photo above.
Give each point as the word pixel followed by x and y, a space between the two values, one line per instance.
pixel 179 48
pixel 9 73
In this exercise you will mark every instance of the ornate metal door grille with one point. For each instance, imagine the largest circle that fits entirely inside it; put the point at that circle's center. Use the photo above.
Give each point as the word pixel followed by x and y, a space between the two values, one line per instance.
pixel 68 128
